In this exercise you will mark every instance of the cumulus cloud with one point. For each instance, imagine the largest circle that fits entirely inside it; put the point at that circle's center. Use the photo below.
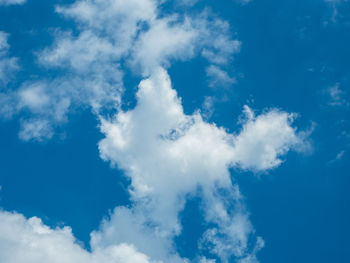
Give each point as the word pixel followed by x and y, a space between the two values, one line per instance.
pixel 25 240
pixel 263 139
pixel 163 42
pixel 162 150
pixel 167 154
pixel 12 2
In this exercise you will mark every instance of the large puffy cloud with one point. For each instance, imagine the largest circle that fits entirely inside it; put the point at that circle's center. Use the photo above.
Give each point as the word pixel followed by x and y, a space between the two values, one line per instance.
pixel 169 155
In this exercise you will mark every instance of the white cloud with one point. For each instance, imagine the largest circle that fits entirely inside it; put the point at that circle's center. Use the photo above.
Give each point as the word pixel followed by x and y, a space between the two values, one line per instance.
pixel 162 42
pixel 30 241
pixel 219 46
pixel 218 77
pixel 119 20
pixel 265 138
pixel 132 226
pixel 162 150
pixel 208 107
pixel 37 129
pixel 8 105
pixel 340 155
pixel 7 64
pixel 48 104
pixel 336 96
pixel 34 97
pixel 80 53
pixel 12 2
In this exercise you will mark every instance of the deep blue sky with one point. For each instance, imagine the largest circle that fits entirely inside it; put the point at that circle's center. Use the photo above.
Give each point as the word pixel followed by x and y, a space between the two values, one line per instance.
pixel 292 53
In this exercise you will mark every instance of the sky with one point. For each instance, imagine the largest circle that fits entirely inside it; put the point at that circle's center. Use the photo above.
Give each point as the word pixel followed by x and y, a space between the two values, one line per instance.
pixel 161 131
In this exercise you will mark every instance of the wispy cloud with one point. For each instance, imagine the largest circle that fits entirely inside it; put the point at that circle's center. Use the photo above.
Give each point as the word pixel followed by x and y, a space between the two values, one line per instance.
pixel 7 64
pixel 336 96
pixel 109 34
pixel 219 78
pixel 335 5
pixel 12 2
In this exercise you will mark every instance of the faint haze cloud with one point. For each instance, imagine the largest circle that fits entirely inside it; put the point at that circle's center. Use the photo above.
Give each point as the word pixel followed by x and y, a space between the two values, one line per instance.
pixel 12 2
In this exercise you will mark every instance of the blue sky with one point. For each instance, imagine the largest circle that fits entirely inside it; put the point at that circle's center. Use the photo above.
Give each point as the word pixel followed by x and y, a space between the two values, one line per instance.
pixel 174 131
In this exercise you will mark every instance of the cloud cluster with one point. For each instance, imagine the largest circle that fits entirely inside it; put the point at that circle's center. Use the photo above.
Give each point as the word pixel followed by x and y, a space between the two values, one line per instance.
pixel 112 36
pixel 162 150
pixel 167 154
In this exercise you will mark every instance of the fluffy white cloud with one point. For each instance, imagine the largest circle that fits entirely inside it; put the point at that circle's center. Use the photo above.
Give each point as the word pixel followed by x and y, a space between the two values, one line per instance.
pixel 30 241
pixel 12 2
pixel 265 138
pixel 163 42
pixel 162 150
pixel 119 20
pixel 133 226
